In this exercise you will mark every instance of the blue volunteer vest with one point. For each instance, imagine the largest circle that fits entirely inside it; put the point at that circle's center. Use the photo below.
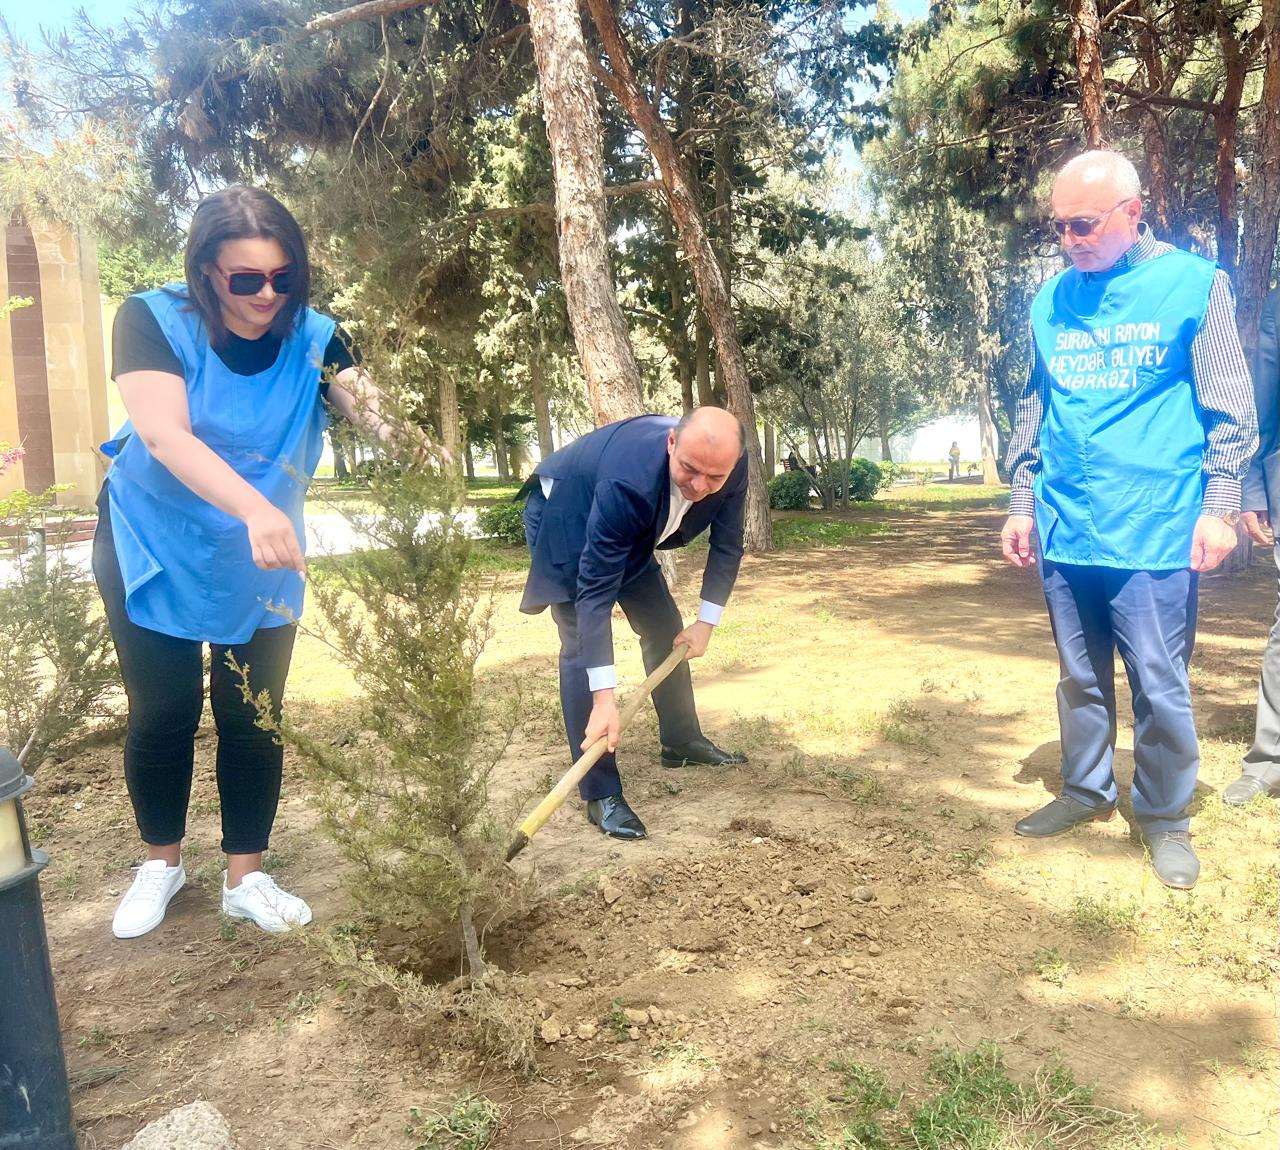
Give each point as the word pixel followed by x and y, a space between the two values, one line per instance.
pixel 1122 442
pixel 188 568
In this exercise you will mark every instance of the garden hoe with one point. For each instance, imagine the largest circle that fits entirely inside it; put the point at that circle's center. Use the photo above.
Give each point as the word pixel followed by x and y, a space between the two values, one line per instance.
pixel 545 809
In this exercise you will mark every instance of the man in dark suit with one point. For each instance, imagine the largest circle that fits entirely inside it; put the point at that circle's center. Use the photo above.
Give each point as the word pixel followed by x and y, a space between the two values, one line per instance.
pixel 597 510
pixel 1260 498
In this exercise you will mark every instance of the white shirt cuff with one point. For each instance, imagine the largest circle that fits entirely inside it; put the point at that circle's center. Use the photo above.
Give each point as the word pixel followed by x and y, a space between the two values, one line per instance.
pixel 710 612
pixel 602 678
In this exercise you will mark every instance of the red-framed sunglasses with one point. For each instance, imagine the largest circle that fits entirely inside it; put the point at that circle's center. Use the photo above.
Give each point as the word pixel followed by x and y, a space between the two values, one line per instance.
pixel 251 283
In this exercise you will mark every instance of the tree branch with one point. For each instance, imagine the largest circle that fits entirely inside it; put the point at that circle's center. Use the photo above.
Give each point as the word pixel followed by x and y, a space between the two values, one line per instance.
pixel 1163 101
pixel 369 10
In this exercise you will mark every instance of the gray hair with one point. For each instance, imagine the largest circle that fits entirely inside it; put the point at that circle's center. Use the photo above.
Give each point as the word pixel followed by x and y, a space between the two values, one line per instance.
pixel 1098 165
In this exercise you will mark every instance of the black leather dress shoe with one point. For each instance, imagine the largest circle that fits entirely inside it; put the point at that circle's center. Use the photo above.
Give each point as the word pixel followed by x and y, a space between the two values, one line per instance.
pixel 702 753
pixel 1059 816
pixel 615 818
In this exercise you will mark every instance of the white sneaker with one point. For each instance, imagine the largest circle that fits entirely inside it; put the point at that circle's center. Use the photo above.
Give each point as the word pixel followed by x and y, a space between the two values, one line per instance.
pixel 260 901
pixel 143 906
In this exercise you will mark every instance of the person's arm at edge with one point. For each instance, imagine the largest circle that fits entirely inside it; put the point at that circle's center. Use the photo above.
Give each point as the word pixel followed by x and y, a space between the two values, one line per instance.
pixel 1224 394
pixel 617 516
pixel 1022 462
pixel 1255 499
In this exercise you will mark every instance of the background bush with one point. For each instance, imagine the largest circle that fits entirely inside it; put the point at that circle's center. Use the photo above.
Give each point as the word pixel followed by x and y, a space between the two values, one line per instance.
pixel 504 519
pixel 865 479
pixel 789 491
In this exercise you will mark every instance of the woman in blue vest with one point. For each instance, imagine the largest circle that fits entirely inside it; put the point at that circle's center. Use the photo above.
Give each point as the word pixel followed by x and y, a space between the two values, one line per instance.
pixel 200 532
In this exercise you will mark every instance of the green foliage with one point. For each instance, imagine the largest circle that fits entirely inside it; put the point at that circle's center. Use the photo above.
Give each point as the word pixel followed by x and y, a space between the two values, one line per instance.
pixel 790 491
pixel 1099 917
pixel 505 520
pixel 470 1125
pixel 133 266
pixel 57 662
pixel 865 479
pixel 405 797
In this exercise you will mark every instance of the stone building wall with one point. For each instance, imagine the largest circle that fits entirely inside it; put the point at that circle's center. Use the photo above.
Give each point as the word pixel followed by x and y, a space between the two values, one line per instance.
pixel 53 392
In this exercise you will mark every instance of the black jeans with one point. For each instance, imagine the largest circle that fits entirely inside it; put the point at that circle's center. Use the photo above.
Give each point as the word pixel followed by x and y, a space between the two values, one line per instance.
pixel 164 680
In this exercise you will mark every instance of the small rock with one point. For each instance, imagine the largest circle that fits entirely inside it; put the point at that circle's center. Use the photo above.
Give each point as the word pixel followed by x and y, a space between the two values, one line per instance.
pixel 864 894
pixel 609 892
pixel 755 842
pixel 274 1072
pixel 754 1130
pixel 656 1016
pixel 551 1031
pixel 197 1126
pixel 810 920
pixel 636 1017
pixel 749 903
pixel 580 1135
pixel 573 982
pixel 587 1030
pixel 875 949
pixel 634 1034
pixel 847 964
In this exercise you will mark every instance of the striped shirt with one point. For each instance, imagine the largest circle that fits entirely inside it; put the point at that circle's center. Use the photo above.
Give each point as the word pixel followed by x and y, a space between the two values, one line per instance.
pixel 1224 394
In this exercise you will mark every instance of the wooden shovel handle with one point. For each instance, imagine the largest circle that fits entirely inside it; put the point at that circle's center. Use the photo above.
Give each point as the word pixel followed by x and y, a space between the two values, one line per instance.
pixel 561 791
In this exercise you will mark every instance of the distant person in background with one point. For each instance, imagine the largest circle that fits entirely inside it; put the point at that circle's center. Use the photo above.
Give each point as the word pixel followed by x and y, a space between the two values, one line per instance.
pixel 200 532
pixel 953 461
pixel 1261 500
pixel 1132 434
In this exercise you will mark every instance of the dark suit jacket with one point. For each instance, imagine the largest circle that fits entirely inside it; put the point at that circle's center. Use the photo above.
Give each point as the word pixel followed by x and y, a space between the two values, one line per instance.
pixel 599 529
pixel 1261 484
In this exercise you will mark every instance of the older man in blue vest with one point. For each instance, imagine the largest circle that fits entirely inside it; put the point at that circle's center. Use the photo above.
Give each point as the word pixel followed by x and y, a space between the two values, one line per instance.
pixel 1132 435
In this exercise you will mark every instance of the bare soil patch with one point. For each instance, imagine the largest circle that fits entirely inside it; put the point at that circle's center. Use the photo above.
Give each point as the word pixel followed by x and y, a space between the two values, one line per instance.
pixel 854 895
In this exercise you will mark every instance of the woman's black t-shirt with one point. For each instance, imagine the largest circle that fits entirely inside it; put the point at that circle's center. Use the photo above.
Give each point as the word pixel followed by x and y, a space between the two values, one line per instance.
pixel 139 344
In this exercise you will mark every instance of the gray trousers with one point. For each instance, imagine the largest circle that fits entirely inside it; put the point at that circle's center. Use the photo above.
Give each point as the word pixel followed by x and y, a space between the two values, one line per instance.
pixel 1263 760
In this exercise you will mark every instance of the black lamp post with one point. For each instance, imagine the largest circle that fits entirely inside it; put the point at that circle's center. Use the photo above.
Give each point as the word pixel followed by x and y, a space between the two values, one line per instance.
pixel 35 1104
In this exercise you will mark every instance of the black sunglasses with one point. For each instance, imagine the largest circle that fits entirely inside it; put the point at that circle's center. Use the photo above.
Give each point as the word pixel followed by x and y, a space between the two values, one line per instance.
pixel 251 283
pixel 1080 226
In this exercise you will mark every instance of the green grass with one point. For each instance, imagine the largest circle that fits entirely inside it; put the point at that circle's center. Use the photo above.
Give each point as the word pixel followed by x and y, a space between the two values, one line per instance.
pixel 1052 966
pixel 489 489
pixel 799 532
pixel 493 557
pixel 1100 917
pixel 470 1125
pixel 944 497
pixel 973 1104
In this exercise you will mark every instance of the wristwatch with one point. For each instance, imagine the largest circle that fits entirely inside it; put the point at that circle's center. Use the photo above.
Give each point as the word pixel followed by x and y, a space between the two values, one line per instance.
pixel 1230 518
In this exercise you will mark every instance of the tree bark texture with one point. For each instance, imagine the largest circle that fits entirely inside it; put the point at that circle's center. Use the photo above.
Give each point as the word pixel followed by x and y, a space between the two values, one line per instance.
pixel 1225 122
pixel 1262 203
pixel 702 360
pixel 685 210
pixel 577 156
pixel 1086 37
pixel 500 457
pixel 451 422
pixel 770 462
pixel 987 433
pixel 541 406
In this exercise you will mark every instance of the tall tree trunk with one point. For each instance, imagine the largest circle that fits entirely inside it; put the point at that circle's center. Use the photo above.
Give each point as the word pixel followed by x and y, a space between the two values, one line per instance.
pixel 451 426
pixel 757 528
pixel 722 232
pixel 1262 204
pixel 987 432
pixel 541 406
pixel 882 418
pixel 702 360
pixel 1226 121
pixel 577 158
pixel 500 458
pixel 1086 36
pixel 1155 140
pixel 770 461
pixel 469 459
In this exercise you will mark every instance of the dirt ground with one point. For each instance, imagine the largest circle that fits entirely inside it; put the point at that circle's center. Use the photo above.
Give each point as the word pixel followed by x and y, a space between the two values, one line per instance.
pixel 855 893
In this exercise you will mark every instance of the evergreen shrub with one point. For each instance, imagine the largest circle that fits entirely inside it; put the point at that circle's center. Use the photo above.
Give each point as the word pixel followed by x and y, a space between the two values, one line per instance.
pixel 789 491
pixel 503 520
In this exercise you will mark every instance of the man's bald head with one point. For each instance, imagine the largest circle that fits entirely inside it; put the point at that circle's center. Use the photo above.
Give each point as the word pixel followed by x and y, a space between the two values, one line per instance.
pixel 704 447
pixel 1099 192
